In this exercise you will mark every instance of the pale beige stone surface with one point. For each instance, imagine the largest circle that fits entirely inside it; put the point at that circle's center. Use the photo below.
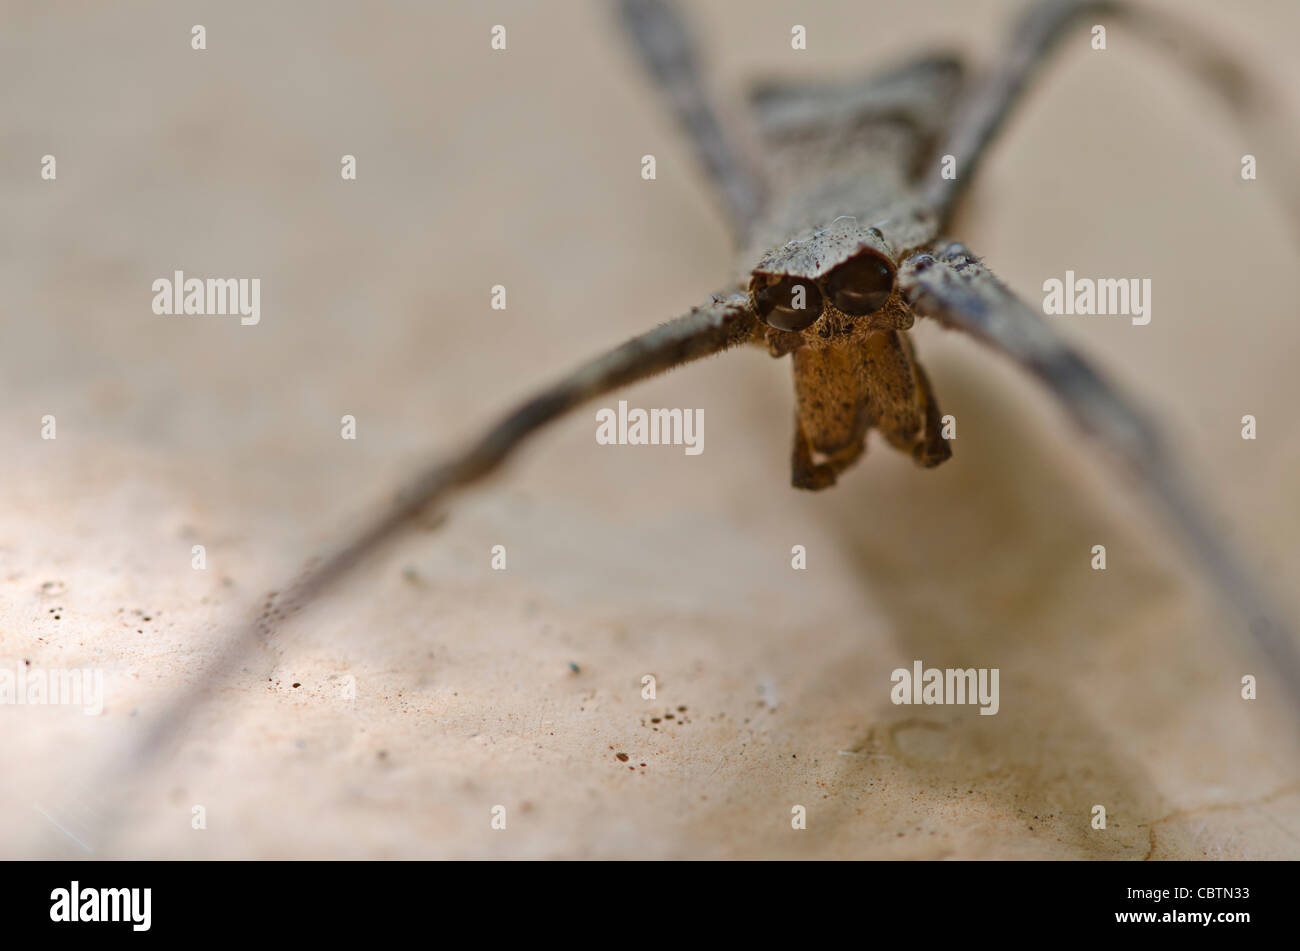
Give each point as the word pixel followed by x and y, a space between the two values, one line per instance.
pixel 1117 687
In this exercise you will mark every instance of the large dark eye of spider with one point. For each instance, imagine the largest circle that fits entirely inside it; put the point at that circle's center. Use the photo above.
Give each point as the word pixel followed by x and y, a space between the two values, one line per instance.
pixel 861 285
pixel 787 303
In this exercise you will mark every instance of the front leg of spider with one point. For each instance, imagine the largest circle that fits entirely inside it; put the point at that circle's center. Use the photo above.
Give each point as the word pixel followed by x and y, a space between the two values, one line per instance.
pixel 954 287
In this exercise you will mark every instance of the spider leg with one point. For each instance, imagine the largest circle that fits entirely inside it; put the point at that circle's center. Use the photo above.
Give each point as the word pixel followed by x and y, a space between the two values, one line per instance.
pixel 660 34
pixel 985 107
pixel 807 473
pixel 954 287
pixel 933 449
pixel 723 322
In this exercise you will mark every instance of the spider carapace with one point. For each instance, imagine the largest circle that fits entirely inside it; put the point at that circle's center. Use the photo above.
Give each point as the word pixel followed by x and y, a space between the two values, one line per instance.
pixel 841 161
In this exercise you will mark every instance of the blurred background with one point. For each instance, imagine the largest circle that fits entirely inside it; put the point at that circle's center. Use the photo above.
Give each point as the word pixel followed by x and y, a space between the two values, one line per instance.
pixel 522 168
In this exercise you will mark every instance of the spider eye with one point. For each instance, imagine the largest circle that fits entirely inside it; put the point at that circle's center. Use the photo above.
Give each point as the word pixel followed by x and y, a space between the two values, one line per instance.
pixel 787 303
pixel 861 285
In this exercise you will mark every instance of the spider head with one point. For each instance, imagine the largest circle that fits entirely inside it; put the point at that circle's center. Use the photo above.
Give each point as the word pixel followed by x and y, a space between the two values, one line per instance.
pixel 844 274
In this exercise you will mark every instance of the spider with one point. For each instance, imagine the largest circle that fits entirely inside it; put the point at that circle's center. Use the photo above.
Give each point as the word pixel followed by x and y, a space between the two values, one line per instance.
pixel 841 223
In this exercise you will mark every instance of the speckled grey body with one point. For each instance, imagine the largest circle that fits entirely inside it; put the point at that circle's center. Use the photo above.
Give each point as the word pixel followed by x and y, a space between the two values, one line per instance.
pixel 839 162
